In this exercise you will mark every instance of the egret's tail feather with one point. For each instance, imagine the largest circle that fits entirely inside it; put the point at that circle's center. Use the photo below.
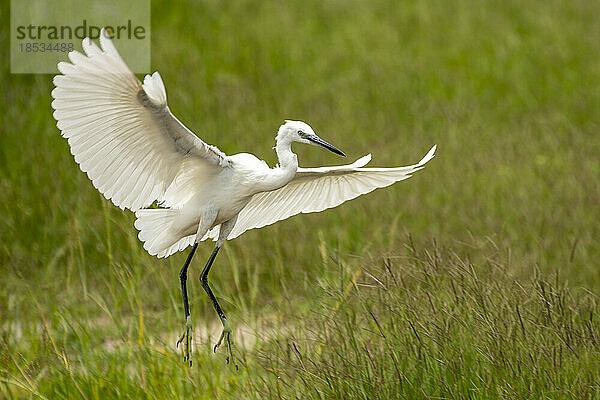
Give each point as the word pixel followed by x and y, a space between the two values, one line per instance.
pixel 159 231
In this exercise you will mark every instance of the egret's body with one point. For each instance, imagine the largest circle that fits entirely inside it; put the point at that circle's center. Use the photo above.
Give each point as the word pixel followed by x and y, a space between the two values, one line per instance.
pixel 123 135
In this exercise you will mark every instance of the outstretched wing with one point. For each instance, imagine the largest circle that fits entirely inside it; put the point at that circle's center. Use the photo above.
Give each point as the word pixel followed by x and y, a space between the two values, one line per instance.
pixel 316 189
pixel 122 133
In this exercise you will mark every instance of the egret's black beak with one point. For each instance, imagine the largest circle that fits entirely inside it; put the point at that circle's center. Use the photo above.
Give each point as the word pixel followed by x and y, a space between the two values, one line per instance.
pixel 317 140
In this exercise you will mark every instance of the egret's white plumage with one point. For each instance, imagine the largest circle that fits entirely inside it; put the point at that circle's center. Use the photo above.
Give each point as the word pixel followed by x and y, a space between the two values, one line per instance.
pixel 123 135
pixel 316 189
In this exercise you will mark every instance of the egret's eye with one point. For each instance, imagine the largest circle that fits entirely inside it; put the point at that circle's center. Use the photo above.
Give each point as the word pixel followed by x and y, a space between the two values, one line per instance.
pixel 300 133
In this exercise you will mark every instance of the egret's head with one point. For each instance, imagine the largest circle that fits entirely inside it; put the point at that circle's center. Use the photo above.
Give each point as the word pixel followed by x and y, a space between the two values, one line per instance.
pixel 298 131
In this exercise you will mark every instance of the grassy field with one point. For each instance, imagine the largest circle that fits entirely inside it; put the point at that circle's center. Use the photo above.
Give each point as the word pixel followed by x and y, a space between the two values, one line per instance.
pixel 478 278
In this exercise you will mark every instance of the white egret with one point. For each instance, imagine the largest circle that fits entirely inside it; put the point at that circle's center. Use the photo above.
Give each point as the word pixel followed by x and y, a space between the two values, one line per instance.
pixel 123 135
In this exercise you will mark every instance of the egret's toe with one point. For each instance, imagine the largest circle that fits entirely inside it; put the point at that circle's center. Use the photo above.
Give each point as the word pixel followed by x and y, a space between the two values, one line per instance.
pixel 227 337
pixel 186 339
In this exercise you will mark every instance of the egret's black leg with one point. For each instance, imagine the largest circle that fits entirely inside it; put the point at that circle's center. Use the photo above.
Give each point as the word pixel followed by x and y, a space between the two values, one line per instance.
pixel 186 338
pixel 183 279
pixel 226 334
pixel 204 280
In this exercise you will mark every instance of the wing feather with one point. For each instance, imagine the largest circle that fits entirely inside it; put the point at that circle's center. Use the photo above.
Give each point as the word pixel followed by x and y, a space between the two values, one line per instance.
pixel 122 133
pixel 316 189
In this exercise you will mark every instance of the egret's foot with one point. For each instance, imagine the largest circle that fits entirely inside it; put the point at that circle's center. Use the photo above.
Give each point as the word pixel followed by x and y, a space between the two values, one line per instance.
pixel 227 336
pixel 186 339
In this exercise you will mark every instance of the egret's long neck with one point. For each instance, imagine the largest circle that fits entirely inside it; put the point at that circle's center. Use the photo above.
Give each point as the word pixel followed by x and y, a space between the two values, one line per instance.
pixel 288 164
pixel 287 159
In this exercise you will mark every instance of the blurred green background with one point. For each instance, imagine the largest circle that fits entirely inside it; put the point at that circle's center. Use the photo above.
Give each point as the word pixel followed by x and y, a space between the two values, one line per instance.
pixel 508 90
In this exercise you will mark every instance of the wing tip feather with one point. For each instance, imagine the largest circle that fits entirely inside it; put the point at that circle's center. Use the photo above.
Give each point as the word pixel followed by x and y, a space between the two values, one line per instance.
pixel 361 162
pixel 155 88
pixel 429 155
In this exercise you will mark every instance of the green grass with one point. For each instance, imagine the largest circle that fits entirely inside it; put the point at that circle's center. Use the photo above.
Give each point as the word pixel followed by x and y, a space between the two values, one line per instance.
pixel 477 278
